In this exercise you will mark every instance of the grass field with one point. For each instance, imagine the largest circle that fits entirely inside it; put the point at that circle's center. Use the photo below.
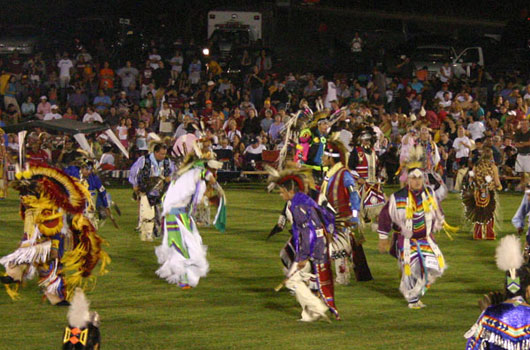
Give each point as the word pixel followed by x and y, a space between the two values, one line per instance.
pixel 235 306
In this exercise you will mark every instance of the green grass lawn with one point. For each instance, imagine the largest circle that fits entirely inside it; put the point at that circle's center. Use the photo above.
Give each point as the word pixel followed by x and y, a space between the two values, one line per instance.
pixel 235 306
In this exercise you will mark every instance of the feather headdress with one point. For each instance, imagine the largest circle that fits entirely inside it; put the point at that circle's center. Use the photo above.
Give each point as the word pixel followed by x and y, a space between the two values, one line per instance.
pixel 197 157
pixel 153 140
pixel 337 149
pixel 301 176
pixel 416 158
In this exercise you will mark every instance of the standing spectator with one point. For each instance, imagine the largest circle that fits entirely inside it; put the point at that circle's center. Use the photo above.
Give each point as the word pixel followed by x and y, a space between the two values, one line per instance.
pixel 462 144
pixel 263 62
pixel 176 65
pixel 522 142
pixel 446 73
pixel 122 131
pixel 405 69
pixel 65 70
pixel 127 74
pixel 256 87
pixel 194 71
pixel 106 77
pixel 476 129
pixel 10 94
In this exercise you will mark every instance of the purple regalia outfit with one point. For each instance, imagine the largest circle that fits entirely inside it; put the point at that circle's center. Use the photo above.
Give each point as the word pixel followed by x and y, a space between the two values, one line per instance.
pixel 310 224
pixel 502 326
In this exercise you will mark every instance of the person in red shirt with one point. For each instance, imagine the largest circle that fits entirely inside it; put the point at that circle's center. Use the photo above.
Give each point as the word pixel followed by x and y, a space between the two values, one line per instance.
pixel 106 77
pixel 36 153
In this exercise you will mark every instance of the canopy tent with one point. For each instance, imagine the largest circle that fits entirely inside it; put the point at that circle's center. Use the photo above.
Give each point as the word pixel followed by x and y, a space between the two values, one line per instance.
pixel 71 127
pixel 67 126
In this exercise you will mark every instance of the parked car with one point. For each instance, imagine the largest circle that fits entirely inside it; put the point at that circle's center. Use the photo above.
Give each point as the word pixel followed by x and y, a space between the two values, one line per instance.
pixel 24 39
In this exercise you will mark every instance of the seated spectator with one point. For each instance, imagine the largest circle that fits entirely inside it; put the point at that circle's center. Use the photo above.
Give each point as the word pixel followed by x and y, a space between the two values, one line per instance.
pixel 92 116
pixel 43 108
pixel 36 153
pixel 267 121
pixel 102 102
pixel 276 128
pixel 107 161
pixel 68 153
pixel 54 114
pixel 69 114
pixel 252 153
pixel 28 108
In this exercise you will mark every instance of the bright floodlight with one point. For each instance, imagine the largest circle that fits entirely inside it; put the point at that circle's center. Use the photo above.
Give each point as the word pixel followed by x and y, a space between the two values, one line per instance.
pixel 206 51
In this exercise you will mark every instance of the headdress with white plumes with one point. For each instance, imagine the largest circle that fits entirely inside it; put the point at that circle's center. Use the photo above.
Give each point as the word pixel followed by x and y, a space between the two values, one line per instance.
pixel 509 254
pixel 301 176
pixel 415 158
pixel 153 140
pixel 78 313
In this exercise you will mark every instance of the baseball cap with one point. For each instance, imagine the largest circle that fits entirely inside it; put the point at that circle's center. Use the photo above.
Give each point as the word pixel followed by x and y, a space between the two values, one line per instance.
pixel 209 101
pixel 210 83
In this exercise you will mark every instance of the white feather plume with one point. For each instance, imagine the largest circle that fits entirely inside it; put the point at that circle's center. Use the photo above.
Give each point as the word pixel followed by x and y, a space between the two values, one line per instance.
pixel 78 314
pixel 509 254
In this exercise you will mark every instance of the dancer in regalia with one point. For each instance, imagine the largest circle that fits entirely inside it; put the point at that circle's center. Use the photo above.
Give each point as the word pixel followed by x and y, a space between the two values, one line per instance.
pixel 150 176
pixel 480 199
pixel 339 191
pixel 506 325
pixel 415 213
pixel 182 256
pixel 60 244
pixel 82 332
pixel 363 162
pixel 309 276
pixel 519 217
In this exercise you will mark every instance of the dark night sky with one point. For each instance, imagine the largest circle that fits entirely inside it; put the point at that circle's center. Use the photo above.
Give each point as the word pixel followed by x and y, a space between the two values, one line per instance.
pixel 35 10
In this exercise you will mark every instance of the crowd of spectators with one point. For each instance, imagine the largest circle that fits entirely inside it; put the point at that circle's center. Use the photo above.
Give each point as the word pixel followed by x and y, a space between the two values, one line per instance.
pixel 243 113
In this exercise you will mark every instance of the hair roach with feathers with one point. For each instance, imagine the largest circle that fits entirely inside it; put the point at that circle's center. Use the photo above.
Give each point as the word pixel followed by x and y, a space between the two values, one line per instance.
pixel 289 177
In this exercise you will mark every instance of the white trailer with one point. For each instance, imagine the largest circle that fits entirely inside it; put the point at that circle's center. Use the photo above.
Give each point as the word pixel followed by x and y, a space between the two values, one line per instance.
pixel 236 19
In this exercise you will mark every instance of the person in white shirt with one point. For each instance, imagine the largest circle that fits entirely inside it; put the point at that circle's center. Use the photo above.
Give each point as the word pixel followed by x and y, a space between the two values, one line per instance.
pixel 92 116
pixel 446 73
pixel 176 64
pixel 65 66
pixel 462 144
pixel 107 161
pixel 446 102
pixel 331 94
pixel 476 129
pixel 155 58
pixel 253 152
pixel 440 94
pixel 53 114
